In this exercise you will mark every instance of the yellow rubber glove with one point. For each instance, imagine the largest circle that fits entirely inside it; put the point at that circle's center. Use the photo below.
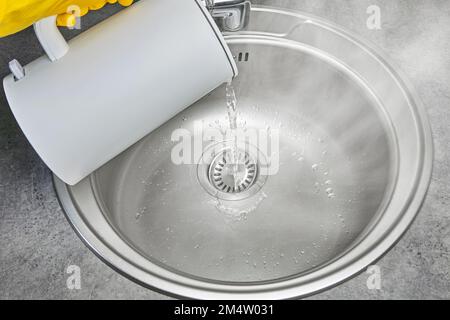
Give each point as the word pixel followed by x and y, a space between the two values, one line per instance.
pixel 16 15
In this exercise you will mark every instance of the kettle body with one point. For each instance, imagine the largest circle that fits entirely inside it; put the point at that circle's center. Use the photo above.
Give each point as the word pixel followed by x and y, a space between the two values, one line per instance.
pixel 118 81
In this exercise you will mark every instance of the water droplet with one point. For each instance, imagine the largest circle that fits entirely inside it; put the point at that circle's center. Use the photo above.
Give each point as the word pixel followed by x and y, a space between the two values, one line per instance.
pixel 140 212
pixel 315 167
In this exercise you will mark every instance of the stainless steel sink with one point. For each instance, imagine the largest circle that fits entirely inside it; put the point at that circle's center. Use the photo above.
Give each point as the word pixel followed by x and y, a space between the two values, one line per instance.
pixel 355 163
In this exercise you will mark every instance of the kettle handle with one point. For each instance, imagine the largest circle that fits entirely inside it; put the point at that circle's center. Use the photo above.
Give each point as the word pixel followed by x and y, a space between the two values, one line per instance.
pixel 50 38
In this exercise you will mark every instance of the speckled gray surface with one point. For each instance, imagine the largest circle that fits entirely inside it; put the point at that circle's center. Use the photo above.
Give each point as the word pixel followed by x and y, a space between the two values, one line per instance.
pixel 37 243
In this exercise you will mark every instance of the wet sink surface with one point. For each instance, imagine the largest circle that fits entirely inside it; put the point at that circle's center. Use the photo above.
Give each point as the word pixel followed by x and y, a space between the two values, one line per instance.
pixel 354 164
pixel 296 225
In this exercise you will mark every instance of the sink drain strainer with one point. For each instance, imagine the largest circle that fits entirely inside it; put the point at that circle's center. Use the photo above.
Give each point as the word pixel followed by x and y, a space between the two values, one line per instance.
pixel 231 175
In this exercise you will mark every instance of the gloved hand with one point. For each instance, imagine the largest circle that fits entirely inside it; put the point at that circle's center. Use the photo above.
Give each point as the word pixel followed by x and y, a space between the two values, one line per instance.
pixel 16 15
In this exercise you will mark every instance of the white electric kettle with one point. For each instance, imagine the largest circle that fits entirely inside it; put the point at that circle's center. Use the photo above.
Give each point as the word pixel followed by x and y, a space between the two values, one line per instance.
pixel 89 100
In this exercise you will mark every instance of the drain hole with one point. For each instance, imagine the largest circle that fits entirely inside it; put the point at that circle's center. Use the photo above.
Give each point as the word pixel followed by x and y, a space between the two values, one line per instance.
pixel 232 177
pixel 227 179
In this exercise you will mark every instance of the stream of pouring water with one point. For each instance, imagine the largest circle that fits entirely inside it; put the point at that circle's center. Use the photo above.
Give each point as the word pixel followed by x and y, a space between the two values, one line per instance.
pixel 232 117
pixel 231 105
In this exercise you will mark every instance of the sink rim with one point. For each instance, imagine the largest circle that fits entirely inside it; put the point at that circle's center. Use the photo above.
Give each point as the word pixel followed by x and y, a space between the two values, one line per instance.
pixel 289 290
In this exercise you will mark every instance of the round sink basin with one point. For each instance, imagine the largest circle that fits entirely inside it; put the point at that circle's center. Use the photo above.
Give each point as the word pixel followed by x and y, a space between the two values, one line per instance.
pixel 353 163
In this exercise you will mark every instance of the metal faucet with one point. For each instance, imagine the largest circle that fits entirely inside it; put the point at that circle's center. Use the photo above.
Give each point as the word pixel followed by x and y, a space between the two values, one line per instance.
pixel 229 15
